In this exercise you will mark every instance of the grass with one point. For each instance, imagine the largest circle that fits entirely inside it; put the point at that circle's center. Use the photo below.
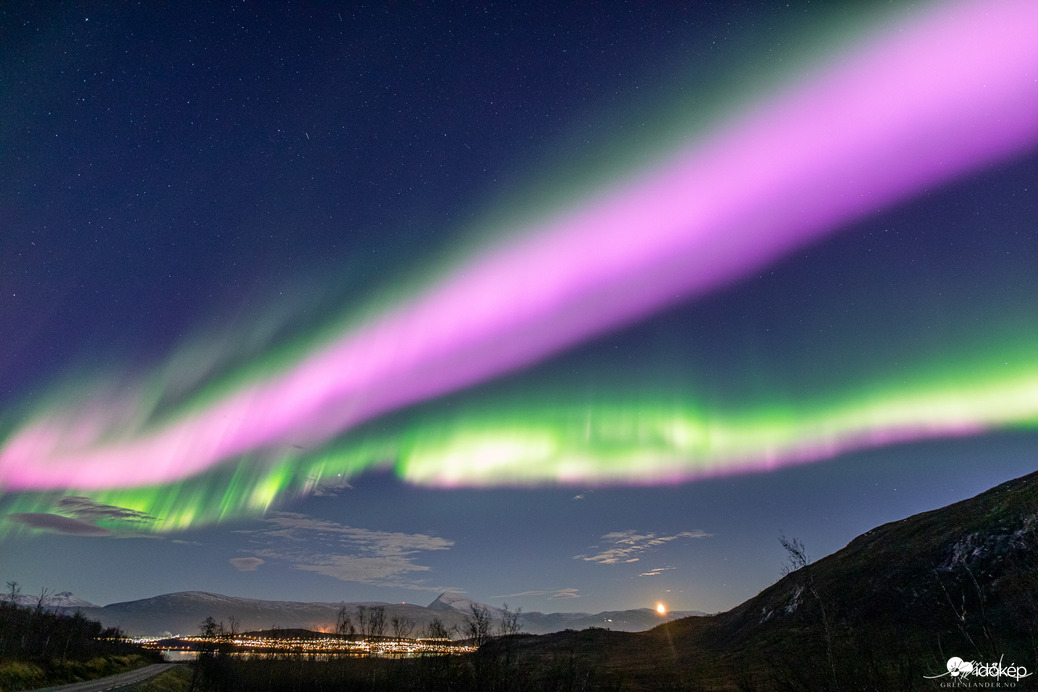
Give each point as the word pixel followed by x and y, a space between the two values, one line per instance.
pixel 176 679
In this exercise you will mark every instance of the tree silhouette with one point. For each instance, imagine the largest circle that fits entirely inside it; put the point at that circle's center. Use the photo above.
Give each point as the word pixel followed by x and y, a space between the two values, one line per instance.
pixel 510 621
pixel 402 626
pixel 344 626
pixel 437 630
pixel 377 622
pixel 798 561
pixel 478 624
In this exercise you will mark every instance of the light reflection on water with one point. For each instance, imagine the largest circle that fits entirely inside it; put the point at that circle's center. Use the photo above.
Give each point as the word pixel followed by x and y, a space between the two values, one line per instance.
pixel 179 656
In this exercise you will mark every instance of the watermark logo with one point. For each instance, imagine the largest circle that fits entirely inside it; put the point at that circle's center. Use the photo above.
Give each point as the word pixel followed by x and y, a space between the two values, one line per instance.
pixel 957 667
pixel 981 675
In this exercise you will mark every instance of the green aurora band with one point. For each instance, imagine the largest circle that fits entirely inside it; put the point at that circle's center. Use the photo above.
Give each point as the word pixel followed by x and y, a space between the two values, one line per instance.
pixel 629 439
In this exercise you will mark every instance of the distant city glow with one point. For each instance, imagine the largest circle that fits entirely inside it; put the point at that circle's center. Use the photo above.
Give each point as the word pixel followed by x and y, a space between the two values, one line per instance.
pixel 946 91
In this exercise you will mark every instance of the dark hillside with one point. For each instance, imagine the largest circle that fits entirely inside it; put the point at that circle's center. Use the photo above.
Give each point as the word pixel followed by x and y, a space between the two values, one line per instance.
pixel 891 607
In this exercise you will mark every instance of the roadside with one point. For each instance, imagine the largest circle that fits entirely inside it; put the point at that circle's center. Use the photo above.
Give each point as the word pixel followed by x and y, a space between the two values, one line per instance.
pixel 113 682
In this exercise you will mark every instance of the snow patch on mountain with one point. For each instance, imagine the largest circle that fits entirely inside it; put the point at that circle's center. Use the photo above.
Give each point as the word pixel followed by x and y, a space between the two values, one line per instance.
pixel 455 602
pixel 64 600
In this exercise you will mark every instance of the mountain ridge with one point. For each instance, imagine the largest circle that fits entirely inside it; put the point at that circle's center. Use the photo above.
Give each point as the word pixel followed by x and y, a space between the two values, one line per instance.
pixel 181 612
pixel 62 599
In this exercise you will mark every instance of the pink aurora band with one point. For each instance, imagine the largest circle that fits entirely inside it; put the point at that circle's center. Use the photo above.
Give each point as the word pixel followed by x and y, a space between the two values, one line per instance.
pixel 954 88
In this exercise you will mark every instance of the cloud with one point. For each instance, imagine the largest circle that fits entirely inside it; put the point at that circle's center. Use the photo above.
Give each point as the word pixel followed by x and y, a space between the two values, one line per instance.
pixel 345 552
pixel 143 535
pixel 367 570
pixel 246 564
pixel 522 594
pixel 621 547
pixel 295 527
pixel 329 487
pixel 91 510
pixel 655 572
pixel 550 593
pixel 565 593
pixel 79 516
pixel 57 523
pixel 582 494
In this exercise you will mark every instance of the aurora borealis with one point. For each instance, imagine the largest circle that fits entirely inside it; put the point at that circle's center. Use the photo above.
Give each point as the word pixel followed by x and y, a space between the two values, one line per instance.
pixel 724 259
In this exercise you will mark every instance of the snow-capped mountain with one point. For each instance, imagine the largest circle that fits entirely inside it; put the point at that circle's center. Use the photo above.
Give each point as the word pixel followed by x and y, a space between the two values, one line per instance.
pixel 182 613
pixel 63 600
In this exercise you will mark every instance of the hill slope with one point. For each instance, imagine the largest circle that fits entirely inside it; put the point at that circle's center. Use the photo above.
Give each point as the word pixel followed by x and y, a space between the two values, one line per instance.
pixel 891 607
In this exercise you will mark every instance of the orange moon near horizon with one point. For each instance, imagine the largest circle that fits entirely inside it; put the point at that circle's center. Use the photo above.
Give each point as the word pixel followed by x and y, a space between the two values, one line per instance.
pixel 661 609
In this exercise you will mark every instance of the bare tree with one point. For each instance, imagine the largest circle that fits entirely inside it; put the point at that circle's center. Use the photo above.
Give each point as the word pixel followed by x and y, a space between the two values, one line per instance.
pixel 402 626
pixel 208 628
pixel 343 624
pixel 36 612
pixel 437 630
pixel 796 554
pixel 13 590
pixel 510 621
pixel 797 560
pixel 233 626
pixel 112 634
pixel 510 625
pixel 44 595
pixel 362 619
pixel 477 625
pixel 377 622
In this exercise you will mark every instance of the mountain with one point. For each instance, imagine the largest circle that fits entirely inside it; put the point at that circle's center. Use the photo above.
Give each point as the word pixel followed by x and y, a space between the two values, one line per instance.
pixel 65 600
pixel 900 602
pixel 542 623
pixel 450 602
pixel 181 613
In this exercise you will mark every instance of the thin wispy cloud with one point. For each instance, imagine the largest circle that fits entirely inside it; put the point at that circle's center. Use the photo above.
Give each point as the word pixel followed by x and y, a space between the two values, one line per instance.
pixel 366 570
pixel 92 511
pixel 565 593
pixel 246 564
pixel 82 516
pixel 655 572
pixel 551 594
pixel 56 523
pixel 619 547
pixel 347 553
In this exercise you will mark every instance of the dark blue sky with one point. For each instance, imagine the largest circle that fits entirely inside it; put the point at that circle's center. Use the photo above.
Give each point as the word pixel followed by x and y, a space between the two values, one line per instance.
pixel 257 176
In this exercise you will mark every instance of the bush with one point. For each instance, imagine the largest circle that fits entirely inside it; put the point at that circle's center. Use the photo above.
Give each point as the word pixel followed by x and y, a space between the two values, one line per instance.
pixel 20 675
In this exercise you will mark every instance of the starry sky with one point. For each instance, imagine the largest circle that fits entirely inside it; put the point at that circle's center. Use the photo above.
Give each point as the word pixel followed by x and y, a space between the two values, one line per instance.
pixel 574 307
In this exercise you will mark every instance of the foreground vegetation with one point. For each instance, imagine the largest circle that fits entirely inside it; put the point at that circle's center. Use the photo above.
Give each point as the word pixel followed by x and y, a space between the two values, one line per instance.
pixel 39 647
pixel 176 679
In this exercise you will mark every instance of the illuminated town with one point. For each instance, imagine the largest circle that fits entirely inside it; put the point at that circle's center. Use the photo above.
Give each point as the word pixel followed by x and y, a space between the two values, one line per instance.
pixel 316 645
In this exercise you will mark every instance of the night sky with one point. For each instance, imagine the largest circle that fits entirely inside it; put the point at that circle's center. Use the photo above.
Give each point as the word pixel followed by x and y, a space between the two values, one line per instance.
pixel 574 307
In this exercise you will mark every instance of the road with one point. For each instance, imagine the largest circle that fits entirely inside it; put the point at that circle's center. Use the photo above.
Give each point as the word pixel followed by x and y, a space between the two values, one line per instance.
pixel 112 682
